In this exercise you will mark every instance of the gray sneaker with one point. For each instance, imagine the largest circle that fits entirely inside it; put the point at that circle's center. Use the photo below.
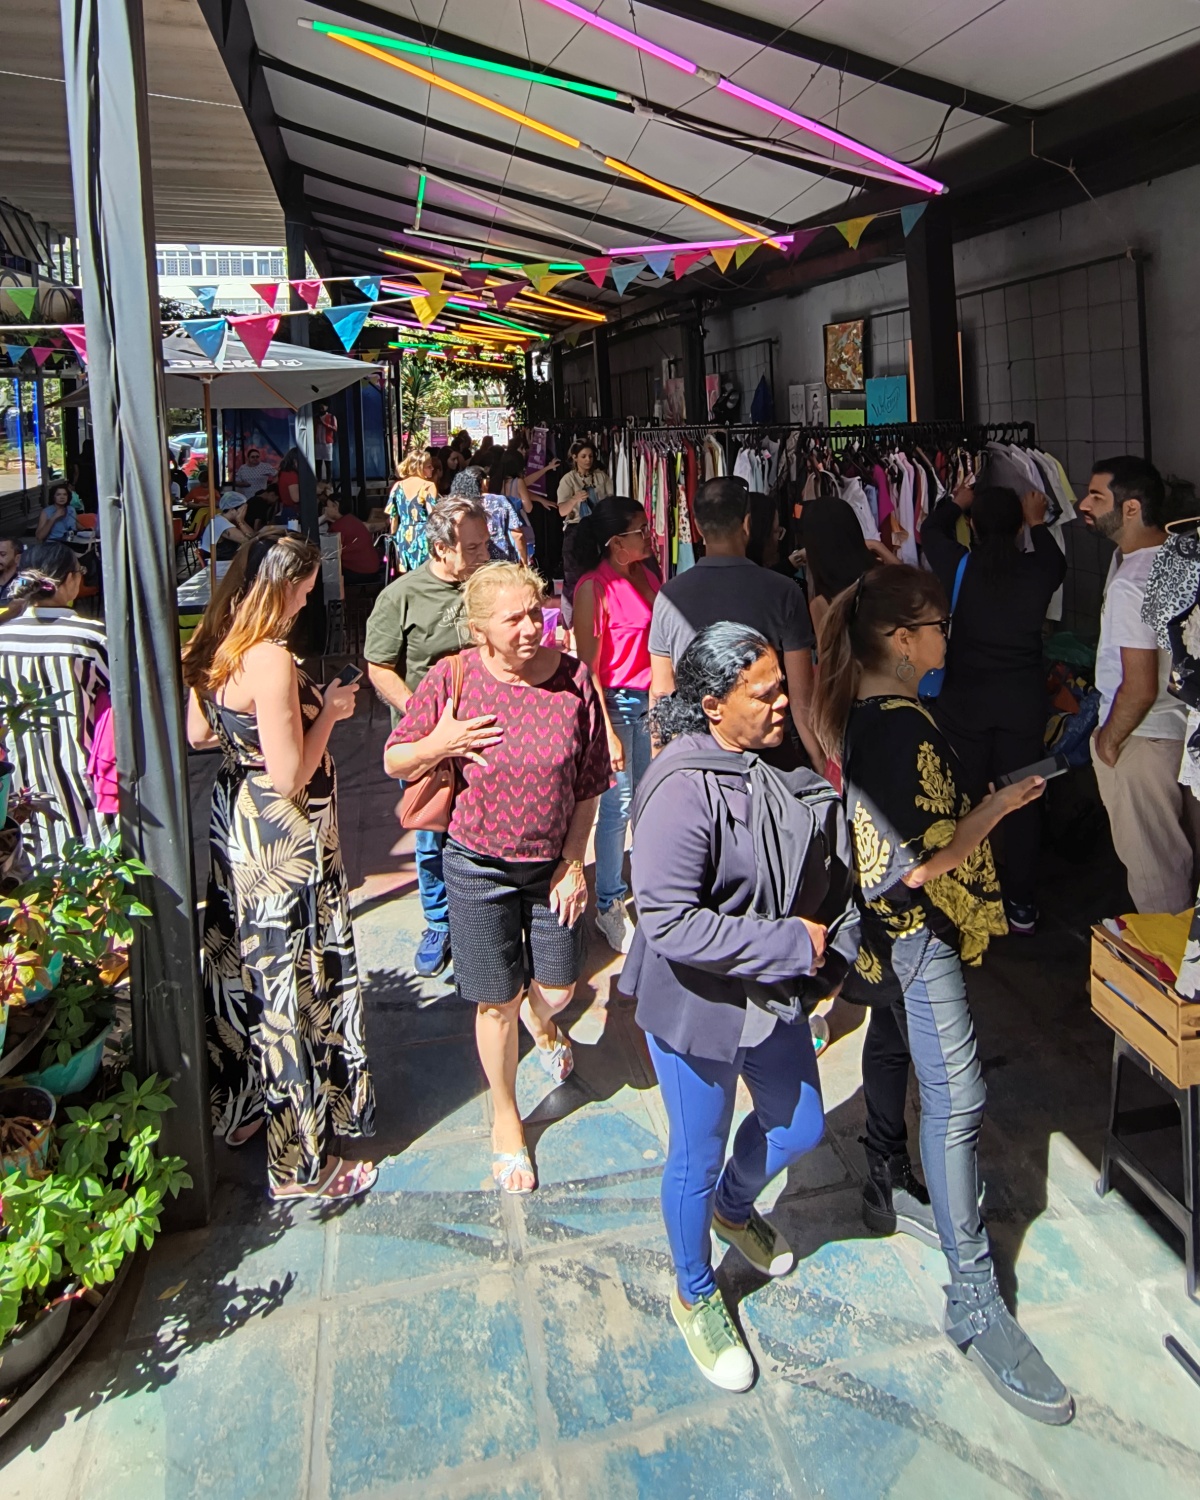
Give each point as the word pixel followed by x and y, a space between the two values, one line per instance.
pixel 760 1242
pixel 615 928
pixel 713 1341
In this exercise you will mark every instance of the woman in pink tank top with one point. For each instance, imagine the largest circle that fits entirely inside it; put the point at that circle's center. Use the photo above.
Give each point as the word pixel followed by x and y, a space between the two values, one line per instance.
pixel 614 600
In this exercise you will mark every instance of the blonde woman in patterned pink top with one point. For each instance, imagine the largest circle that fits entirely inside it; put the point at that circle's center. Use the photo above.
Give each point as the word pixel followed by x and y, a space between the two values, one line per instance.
pixel 531 746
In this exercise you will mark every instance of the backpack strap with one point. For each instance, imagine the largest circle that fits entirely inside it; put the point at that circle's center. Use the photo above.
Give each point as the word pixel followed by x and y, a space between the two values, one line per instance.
pixel 958 578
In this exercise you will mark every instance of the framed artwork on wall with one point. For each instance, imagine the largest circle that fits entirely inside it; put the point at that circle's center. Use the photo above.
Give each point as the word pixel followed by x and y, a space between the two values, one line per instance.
pixel 844 356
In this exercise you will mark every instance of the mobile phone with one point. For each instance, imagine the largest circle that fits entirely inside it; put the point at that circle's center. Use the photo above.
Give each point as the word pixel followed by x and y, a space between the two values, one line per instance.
pixel 1048 769
pixel 349 673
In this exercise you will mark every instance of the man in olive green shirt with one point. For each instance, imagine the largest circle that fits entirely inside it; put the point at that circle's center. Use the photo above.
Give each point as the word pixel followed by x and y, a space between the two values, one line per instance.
pixel 416 621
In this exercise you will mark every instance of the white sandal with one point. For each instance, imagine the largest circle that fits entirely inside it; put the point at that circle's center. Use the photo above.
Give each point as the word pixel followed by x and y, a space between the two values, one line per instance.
pixel 510 1163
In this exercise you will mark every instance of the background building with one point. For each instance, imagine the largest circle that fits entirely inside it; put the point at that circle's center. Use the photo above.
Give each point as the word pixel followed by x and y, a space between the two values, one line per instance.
pixel 232 269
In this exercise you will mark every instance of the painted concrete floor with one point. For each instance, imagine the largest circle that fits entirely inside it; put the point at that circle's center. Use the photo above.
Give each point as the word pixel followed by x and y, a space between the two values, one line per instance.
pixel 437 1339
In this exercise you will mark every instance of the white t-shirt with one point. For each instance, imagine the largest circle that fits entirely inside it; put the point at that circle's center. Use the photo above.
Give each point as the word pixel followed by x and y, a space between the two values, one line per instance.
pixel 253 477
pixel 1121 625
pixel 213 532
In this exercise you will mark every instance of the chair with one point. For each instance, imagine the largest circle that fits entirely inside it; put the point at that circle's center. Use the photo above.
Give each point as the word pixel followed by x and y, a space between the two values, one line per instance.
pixel 86 520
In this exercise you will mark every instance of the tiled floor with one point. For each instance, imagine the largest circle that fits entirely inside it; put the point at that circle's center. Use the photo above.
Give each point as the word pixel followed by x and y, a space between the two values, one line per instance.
pixel 440 1340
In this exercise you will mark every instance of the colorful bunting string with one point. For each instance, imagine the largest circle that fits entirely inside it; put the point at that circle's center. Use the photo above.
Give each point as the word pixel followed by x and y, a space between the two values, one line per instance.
pixel 503 295
pixel 348 321
pixel 210 336
pixel 431 281
pixel 548 283
pixel 267 290
pixel 597 269
pixel 722 258
pixel 77 334
pixel 658 262
pixel 742 254
pixel 533 273
pixel 623 275
pixel 24 298
pixel 852 229
pixel 256 332
pixel 685 260
pixel 909 215
pixel 474 279
pixel 309 289
pixel 427 308
pixel 15 352
pixel 41 354
pixel 369 286
pixel 205 295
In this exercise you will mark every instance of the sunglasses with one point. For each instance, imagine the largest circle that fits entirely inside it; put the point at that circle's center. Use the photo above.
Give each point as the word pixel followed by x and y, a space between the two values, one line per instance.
pixel 643 530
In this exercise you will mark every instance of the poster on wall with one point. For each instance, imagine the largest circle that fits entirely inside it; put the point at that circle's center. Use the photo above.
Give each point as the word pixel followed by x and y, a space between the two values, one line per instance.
pixel 483 421
pixel 816 405
pixel 887 400
pixel 712 392
pixel 844 355
pixel 439 431
pixel 796 407
pixel 675 400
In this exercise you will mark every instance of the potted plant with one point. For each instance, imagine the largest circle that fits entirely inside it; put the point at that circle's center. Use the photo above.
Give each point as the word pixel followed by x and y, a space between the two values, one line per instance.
pixel 65 1234
pixel 24 709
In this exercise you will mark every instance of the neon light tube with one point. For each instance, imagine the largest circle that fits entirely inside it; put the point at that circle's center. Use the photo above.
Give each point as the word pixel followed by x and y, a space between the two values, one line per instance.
pixel 490 317
pixel 455 88
pixel 685 198
pixel 420 202
pixel 516 265
pixel 518 305
pixel 589 18
pixel 736 91
pixel 758 239
pixel 440 54
pixel 834 137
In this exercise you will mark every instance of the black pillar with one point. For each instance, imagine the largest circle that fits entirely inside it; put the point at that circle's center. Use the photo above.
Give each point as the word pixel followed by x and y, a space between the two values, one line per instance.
pixel 313 615
pixel 603 378
pixel 354 399
pixel 70 426
pixel 401 439
pixel 341 411
pixel 104 62
pixel 695 402
pixel 933 316
pixel 558 382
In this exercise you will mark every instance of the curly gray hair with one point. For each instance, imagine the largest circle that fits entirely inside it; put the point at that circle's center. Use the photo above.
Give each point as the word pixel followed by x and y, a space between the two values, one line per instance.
pixel 441 529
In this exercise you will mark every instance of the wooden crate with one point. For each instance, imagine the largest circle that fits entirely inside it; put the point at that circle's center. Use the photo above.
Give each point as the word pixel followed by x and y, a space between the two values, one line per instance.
pixel 1127 996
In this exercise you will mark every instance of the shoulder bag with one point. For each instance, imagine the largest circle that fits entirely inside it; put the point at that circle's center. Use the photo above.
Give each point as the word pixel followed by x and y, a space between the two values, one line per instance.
pixel 428 801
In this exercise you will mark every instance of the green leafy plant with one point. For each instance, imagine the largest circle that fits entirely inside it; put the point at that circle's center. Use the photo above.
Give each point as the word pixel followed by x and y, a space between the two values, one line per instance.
pixel 26 709
pixel 103 1196
pixel 21 970
pixel 81 1011
pixel 91 898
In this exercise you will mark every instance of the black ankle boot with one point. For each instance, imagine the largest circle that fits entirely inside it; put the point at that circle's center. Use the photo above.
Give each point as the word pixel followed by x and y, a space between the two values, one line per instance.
pixel 978 1322
pixel 895 1200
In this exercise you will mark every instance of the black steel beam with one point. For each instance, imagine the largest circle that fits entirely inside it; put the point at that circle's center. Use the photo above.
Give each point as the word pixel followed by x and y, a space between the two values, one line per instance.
pixel 431 122
pixel 104 66
pixel 841 59
pixel 933 317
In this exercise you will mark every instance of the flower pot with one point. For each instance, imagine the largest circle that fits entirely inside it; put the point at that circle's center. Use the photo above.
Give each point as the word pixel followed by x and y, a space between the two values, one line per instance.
pixel 23 1353
pixel 77 1072
pixel 37 1104
pixel 6 771
pixel 54 968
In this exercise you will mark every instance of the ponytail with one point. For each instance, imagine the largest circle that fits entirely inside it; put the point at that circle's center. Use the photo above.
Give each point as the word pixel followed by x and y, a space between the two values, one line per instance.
pixel 585 544
pixel 853 639
pixel 45 567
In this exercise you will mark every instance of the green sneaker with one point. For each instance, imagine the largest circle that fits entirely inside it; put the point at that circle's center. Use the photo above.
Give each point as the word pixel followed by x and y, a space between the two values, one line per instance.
pixel 761 1243
pixel 713 1341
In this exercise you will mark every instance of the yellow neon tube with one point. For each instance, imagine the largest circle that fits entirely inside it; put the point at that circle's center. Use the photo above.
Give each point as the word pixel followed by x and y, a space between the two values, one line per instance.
pixel 685 198
pixel 457 88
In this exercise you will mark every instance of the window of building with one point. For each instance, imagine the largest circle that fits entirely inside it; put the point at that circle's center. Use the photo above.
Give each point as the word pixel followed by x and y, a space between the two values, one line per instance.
pixel 172 266
pixel 222 265
pixel 276 265
pixel 158 262
pixel 247 265
pixel 264 265
pixel 210 265
pixel 197 266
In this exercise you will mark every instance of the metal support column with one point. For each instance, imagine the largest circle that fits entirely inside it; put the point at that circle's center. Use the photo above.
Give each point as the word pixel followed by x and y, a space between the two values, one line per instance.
pixel 105 66
pixel 313 615
pixel 558 382
pixel 603 378
pixel 354 400
pixel 340 406
pixel 695 399
pixel 70 426
pixel 933 317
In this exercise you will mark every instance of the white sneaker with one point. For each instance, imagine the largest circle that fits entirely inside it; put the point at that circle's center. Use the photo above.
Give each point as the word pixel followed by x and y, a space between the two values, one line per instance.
pixel 615 928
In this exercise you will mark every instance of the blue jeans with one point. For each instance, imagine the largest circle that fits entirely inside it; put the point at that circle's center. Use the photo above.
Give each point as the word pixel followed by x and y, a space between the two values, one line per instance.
pixel 787 1121
pixel 434 901
pixel 934 1020
pixel 628 709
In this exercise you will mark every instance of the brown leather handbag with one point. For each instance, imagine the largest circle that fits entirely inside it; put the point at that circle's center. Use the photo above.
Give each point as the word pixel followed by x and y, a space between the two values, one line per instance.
pixel 428 801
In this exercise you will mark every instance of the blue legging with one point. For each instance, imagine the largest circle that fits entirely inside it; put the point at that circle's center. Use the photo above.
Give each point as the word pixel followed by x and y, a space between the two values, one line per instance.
pixel 787 1121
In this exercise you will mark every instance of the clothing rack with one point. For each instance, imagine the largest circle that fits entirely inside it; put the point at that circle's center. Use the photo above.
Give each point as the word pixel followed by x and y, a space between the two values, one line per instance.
pixel 969 432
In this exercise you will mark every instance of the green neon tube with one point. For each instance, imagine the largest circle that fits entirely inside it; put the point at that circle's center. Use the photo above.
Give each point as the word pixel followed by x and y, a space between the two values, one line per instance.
pixel 508 323
pixel 517 265
pixel 527 75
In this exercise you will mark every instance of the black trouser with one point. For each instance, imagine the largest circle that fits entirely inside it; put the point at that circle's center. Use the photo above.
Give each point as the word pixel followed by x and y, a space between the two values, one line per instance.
pixel 991 738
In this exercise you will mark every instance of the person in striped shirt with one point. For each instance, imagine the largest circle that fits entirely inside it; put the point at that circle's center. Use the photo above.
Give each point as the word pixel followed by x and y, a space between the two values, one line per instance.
pixel 43 641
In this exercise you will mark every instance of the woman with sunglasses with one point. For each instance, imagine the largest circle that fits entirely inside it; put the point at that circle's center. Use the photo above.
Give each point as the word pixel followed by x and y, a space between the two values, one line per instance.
pixel 930 903
pixel 614 600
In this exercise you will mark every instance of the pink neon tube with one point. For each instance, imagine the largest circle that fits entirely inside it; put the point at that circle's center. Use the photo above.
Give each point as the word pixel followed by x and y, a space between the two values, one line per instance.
pixel 736 91
pixel 589 18
pixel 784 239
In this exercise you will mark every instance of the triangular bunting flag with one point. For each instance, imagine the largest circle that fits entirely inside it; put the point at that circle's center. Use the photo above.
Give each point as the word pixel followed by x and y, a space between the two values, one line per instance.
pixel 548 283
pixel 209 336
pixel 256 332
pixel 24 297
pixel 658 262
pixel 852 229
pixel 536 271
pixel 204 295
pixel 723 257
pixel 742 253
pixel 622 275
pixel 431 281
pixel 15 352
pixel 427 308
pixel 909 215
pixel 348 321
pixel 503 295
pixel 369 286
pixel 474 278
pixel 800 241
pixel 77 333
pixel 572 338
pixel 41 354
pixel 267 290
pixel 597 269
pixel 309 290
pixel 685 260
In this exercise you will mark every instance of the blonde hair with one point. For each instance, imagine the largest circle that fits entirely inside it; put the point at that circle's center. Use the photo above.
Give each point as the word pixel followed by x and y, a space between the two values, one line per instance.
pixel 411 464
pixel 219 612
pixel 261 614
pixel 481 589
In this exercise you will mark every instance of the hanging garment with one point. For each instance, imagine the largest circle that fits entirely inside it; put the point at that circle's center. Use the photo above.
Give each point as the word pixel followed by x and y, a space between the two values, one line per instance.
pixel 856 498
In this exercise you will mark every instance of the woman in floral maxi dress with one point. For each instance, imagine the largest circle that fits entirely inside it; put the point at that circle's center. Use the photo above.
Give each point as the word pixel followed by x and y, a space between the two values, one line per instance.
pixel 285 1016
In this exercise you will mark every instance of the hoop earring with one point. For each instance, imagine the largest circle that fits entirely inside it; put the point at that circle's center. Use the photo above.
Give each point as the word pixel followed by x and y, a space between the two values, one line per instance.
pixel 905 670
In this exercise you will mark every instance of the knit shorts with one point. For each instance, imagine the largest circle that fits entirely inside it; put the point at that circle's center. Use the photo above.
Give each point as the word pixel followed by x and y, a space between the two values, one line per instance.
pixel 502 931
